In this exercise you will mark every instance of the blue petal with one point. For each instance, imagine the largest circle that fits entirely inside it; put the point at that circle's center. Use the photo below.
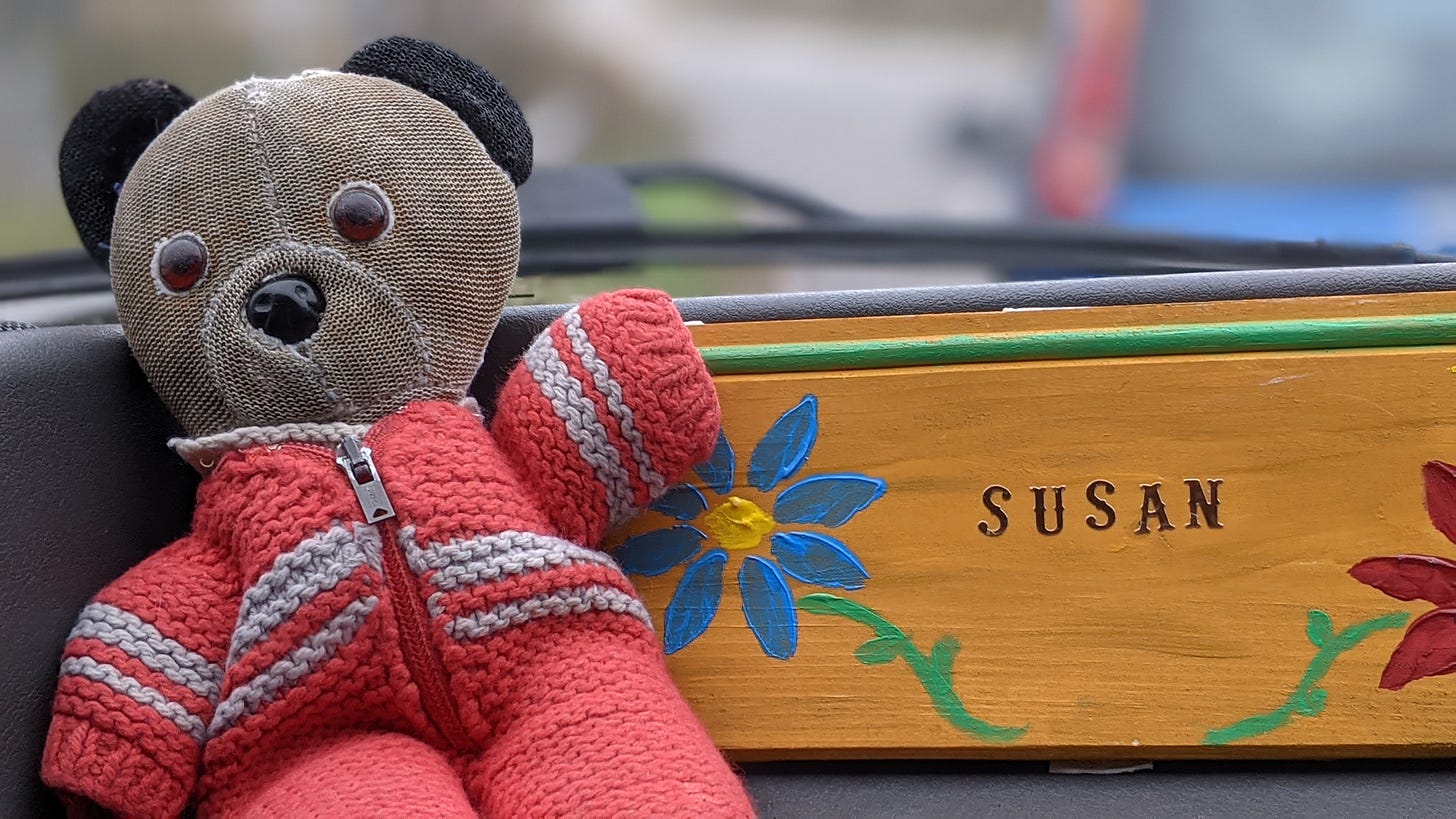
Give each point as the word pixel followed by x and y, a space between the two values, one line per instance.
pixel 653 553
pixel 717 472
pixel 769 607
pixel 819 559
pixel 683 502
pixel 827 499
pixel 695 603
pixel 786 445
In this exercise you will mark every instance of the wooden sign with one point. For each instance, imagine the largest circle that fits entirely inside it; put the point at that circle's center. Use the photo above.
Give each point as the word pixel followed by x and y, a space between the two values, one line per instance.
pixel 1139 532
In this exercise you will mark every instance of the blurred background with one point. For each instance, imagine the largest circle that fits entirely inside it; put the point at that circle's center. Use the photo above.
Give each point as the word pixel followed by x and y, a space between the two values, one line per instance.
pixel 1262 119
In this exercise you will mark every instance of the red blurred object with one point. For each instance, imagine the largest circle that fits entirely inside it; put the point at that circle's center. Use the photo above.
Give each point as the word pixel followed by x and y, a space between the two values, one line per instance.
pixel 1078 160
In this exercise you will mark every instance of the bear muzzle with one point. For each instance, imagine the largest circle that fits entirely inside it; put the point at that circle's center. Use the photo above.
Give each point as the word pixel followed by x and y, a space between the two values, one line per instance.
pixel 301 333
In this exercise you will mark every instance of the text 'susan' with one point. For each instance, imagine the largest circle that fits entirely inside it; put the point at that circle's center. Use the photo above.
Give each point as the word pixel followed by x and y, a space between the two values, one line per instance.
pixel 1049 507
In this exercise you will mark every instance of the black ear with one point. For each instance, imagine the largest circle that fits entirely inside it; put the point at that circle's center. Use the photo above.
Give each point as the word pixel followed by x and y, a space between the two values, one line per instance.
pixel 464 87
pixel 104 140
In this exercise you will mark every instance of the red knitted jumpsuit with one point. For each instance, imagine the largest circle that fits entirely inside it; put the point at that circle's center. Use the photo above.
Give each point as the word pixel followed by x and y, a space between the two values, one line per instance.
pixel 465 655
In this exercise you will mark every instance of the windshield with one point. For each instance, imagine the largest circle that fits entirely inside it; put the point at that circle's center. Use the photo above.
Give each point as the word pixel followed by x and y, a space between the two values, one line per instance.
pixel 1297 91
pixel 799 145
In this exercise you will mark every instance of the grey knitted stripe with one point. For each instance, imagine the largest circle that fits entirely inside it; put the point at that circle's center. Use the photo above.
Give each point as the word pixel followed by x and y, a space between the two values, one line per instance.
pixel 312 653
pixel 140 639
pixel 463 563
pixel 579 600
pixel 315 566
pixel 128 686
pixel 602 377
pixel 579 414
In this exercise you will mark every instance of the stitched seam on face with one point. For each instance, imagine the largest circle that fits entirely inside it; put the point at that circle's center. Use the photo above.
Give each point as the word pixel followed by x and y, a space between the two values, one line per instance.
pixel 428 383
pixel 270 125
pixel 298 351
pixel 256 94
pixel 343 406
pixel 429 376
pixel 204 331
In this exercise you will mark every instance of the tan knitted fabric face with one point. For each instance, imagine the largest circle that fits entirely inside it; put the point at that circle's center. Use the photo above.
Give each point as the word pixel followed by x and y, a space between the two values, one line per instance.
pixel 250 171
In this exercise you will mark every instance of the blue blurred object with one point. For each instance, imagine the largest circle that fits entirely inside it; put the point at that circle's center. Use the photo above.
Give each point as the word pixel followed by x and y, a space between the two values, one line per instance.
pixel 1298 120
pixel 1422 216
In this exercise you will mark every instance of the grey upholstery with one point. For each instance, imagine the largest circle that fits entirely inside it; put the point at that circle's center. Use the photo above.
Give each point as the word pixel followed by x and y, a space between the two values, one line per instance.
pixel 87 488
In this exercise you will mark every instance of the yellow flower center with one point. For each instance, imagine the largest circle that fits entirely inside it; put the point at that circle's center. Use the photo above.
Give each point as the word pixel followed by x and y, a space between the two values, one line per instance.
pixel 738 523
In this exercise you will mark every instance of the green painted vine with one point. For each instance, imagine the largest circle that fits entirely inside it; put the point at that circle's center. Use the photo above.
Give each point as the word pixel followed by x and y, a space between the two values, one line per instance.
pixel 1307 699
pixel 935 671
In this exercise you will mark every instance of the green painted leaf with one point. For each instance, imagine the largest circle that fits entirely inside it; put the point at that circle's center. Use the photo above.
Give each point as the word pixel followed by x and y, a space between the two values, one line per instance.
pixel 833 604
pixel 1319 628
pixel 878 651
pixel 943 654
pixel 820 603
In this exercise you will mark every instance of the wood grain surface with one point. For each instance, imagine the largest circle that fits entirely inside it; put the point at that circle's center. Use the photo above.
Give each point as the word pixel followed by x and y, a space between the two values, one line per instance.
pixel 1241 636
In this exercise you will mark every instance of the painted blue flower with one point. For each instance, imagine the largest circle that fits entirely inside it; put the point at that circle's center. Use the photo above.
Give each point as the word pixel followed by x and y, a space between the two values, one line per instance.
pixel 738 524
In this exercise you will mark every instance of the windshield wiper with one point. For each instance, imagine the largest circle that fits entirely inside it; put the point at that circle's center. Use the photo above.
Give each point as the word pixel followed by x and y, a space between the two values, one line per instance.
pixel 586 219
pixel 1045 251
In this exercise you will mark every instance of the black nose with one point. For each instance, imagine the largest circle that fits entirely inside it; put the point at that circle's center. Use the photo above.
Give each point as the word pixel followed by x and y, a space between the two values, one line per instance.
pixel 286 308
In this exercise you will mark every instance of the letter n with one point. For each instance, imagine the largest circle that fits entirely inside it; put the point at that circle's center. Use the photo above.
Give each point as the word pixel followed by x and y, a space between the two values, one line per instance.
pixel 1207 504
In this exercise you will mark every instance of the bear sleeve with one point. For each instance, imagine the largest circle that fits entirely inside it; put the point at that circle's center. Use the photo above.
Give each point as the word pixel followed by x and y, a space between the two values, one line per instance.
pixel 140 676
pixel 608 407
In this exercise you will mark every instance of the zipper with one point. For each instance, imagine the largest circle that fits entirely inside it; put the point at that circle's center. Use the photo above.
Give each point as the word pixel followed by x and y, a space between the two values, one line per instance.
pixel 357 461
pixel 412 619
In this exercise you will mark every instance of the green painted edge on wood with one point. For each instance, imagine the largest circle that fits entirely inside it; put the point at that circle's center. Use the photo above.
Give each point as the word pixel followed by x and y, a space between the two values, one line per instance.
pixel 1112 342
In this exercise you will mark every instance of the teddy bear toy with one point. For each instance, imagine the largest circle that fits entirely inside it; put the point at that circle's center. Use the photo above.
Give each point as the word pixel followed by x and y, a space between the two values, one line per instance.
pixel 384 606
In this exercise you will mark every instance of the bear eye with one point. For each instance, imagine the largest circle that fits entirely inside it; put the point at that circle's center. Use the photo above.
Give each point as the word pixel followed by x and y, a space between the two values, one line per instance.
pixel 179 263
pixel 360 212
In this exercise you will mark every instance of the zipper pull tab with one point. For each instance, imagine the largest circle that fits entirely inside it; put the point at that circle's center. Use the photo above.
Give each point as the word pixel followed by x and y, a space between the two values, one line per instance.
pixel 357 461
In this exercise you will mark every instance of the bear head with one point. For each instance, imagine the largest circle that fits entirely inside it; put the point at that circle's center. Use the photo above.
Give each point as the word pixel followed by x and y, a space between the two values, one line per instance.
pixel 312 250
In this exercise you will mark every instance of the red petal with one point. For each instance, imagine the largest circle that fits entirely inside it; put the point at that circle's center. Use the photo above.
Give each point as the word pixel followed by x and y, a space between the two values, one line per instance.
pixel 1410 577
pixel 1428 650
pixel 1441 497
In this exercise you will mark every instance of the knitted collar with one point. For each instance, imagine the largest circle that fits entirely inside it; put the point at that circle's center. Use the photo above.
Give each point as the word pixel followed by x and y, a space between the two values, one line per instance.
pixel 203 452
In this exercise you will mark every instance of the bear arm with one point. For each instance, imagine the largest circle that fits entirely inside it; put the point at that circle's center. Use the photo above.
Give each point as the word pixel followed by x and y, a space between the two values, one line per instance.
pixel 140 676
pixel 608 407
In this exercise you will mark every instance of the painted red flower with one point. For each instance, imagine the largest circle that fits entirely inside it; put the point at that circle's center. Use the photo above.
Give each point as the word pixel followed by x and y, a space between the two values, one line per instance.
pixel 1429 646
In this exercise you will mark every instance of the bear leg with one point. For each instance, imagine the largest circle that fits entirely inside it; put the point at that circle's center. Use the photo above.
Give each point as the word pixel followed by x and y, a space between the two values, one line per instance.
pixel 350 776
pixel 590 724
